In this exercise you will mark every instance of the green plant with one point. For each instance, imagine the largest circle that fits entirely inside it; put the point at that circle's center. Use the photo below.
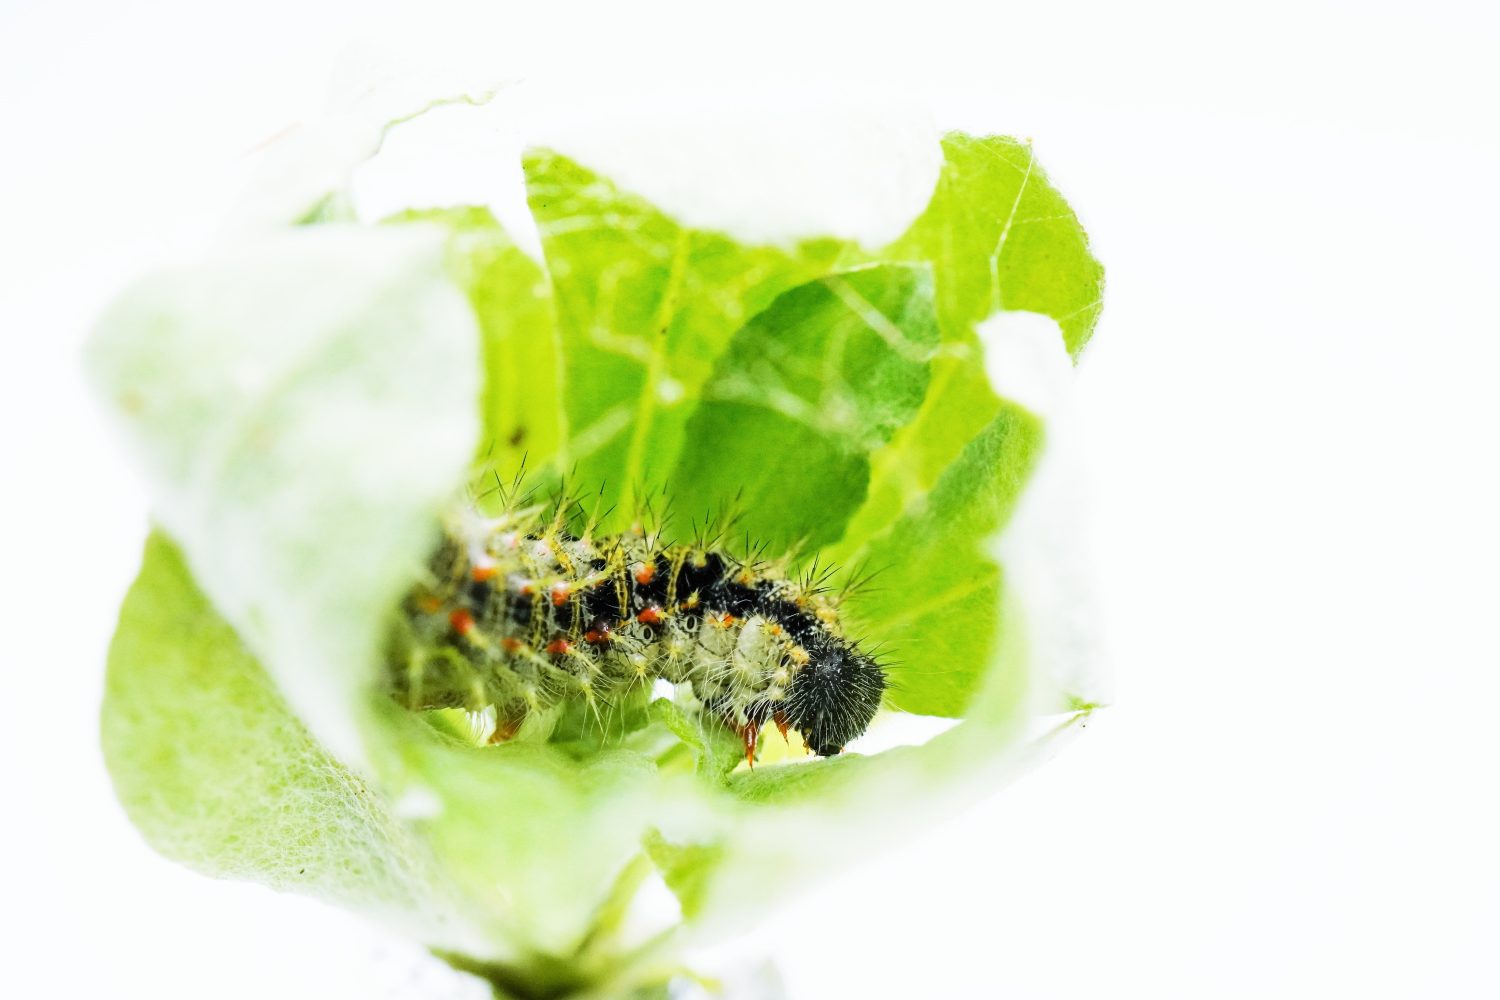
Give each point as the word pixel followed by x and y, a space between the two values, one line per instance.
pixel 307 401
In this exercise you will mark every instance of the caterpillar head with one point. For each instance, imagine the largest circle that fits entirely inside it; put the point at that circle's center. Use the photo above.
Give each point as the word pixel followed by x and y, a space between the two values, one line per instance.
pixel 834 696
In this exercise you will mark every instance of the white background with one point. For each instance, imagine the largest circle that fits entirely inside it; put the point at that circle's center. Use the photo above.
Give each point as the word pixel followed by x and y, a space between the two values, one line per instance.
pixel 1289 416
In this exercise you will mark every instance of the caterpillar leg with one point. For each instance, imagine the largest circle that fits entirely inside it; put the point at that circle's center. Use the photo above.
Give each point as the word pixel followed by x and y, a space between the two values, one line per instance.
pixel 780 719
pixel 750 733
pixel 506 729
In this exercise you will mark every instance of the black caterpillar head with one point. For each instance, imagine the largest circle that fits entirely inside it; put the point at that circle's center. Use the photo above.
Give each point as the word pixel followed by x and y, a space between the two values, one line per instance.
pixel 834 696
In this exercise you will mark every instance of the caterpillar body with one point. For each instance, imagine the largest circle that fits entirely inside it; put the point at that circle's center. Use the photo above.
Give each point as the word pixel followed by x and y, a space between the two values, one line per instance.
pixel 518 613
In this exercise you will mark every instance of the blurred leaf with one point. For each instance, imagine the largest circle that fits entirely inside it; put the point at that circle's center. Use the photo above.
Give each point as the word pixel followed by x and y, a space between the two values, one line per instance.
pixel 687 869
pixel 304 405
pixel 522 407
pixel 213 767
pixel 534 835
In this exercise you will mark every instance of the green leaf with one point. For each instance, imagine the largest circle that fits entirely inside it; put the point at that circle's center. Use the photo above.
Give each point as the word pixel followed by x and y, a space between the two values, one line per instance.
pixel 534 835
pixel 939 588
pixel 828 372
pixel 218 773
pixel 304 405
pixel 645 306
pixel 998 236
pixel 960 401
pixel 717 750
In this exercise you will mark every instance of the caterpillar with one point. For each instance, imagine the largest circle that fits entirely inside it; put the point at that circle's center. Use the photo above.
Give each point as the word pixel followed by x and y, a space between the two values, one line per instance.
pixel 517 613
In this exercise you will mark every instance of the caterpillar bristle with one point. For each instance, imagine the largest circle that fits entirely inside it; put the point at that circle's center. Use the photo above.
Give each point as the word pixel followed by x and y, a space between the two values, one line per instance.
pixel 529 606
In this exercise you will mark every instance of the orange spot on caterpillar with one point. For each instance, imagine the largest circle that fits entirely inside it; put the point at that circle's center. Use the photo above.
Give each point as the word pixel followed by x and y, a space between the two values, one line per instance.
pixel 462 621
pixel 782 724
pixel 561 591
pixel 598 636
pixel 511 644
pixel 651 615
pixel 479 574
pixel 644 573
pixel 726 620
pixel 559 647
